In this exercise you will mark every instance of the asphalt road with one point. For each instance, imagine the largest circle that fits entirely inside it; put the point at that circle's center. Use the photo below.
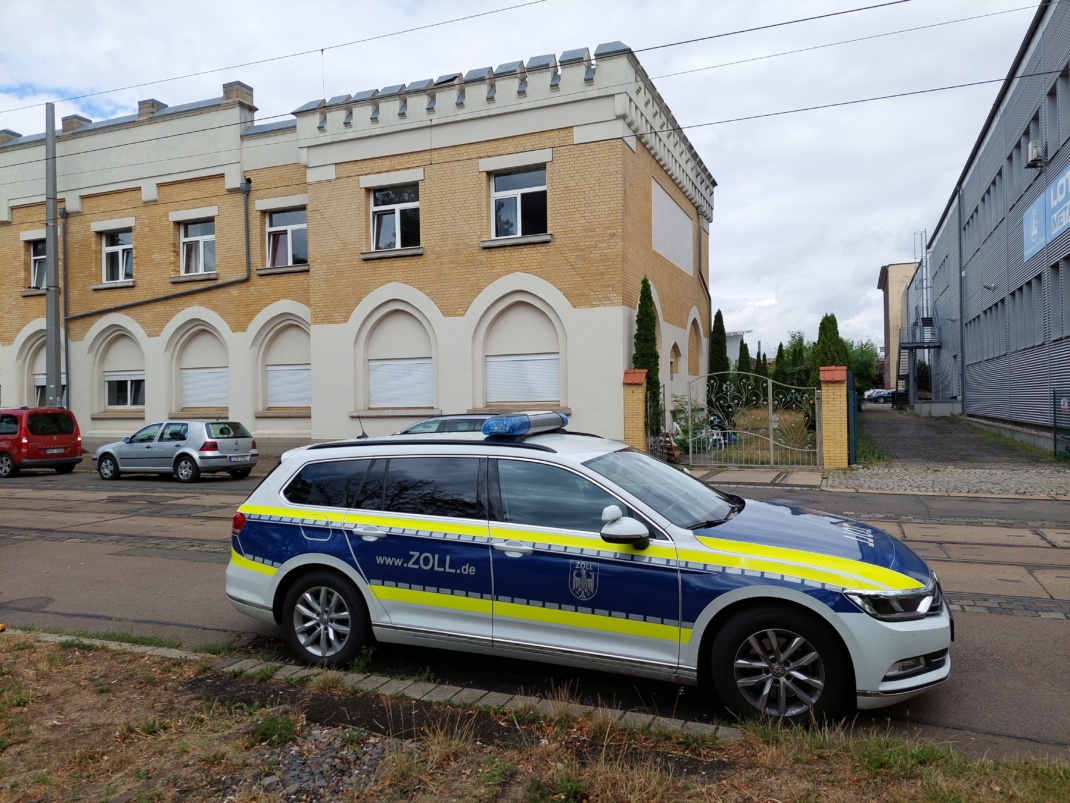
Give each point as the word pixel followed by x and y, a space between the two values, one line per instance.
pixel 147 555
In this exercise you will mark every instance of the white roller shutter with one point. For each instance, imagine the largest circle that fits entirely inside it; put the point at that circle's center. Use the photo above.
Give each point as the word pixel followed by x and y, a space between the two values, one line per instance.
pixel 205 387
pixel 523 378
pixel 401 383
pixel 289 385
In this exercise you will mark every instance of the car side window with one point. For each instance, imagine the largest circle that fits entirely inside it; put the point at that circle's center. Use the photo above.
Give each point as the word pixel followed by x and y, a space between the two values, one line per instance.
pixel 175 432
pixel 422 428
pixel 328 484
pixel 462 425
pixel 9 425
pixel 146 434
pixel 547 496
pixel 434 486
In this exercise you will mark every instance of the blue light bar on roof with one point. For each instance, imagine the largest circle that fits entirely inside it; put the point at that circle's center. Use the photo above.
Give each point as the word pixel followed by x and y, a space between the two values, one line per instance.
pixel 519 424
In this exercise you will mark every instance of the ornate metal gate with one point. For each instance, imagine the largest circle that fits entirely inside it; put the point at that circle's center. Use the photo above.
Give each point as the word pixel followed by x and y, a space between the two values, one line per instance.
pixel 737 419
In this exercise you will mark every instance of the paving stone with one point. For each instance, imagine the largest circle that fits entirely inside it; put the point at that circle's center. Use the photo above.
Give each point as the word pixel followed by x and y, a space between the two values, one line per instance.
pixel 243 666
pixel 418 689
pixel 394 687
pixel 352 679
pixel 521 702
pixel 473 697
pixel 633 719
pixel 287 671
pixel 495 699
pixel 441 694
pixel 370 683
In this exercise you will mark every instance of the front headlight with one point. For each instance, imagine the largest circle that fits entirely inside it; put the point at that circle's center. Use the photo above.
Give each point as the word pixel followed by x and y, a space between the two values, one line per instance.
pixel 899 606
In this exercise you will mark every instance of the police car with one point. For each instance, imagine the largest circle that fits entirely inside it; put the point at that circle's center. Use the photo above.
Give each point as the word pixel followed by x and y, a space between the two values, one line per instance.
pixel 532 542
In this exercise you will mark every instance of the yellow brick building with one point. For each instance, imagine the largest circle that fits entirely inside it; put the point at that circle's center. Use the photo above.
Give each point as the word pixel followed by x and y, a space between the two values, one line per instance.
pixel 471 242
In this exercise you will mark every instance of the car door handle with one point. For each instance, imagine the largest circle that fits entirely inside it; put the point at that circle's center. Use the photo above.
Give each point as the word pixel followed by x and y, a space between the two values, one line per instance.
pixel 514 549
pixel 369 532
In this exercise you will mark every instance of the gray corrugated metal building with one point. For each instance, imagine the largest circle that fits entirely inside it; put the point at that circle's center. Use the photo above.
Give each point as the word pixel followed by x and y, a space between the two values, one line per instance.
pixel 996 278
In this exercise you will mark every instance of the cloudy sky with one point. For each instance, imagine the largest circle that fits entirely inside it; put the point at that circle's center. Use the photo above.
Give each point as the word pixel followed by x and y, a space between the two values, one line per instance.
pixel 810 203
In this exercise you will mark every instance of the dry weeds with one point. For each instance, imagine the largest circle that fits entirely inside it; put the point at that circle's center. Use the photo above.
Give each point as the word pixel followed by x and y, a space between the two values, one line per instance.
pixel 78 722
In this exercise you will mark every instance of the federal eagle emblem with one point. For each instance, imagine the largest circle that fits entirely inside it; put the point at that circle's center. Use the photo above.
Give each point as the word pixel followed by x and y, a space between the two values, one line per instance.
pixel 583 579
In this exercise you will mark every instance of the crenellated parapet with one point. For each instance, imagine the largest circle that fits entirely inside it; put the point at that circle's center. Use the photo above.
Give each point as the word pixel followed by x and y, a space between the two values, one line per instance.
pixel 576 90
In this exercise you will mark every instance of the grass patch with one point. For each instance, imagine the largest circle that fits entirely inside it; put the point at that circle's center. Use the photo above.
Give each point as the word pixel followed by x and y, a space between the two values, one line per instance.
pixel 869 451
pixel 274 730
pixel 1027 451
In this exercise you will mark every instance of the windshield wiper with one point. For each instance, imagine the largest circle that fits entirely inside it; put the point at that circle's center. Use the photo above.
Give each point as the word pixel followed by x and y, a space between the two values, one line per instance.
pixel 738 503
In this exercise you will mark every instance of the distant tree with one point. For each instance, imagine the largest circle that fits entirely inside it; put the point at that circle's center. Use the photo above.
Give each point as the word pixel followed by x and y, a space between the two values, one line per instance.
pixel 923 376
pixel 799 359
pixel 780 365
pixel 862 361
pixel 646 356
pixel 719 361
pixel 743 362
pixel 829 348
pixel 761 364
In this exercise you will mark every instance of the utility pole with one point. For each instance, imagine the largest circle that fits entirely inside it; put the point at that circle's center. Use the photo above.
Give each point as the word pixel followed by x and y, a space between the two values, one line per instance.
pixel 53 375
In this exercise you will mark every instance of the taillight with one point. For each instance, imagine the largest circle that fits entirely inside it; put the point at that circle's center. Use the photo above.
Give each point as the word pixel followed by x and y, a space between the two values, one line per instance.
pixel 209 446
pixel 254 444
pixel 237 523
pixel 25 437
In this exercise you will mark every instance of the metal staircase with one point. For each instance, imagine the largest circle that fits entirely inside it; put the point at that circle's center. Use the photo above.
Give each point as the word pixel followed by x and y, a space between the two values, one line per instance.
pixel 923 334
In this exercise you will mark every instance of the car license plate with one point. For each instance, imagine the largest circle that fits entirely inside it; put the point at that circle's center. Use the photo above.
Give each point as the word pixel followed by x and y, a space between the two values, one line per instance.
pixel 58 450
pixel 241 459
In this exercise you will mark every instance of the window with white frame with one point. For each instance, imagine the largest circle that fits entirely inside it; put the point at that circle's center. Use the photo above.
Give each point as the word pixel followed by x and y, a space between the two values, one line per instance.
pixel 518 203
pixel 124 388
pixel 38 265
pixel 198 247
pixel 515 378
pixel 401 382
pixel 287 238
pixel 118 255
pixel 289 385
pixel 396 217
pixel 41 390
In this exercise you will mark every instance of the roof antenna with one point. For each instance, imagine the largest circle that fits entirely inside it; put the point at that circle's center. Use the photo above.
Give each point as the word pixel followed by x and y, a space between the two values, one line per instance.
pixel 363 434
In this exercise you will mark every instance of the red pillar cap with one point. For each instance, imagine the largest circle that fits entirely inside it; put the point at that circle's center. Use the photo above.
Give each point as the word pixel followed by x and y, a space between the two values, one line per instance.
pixel 833 373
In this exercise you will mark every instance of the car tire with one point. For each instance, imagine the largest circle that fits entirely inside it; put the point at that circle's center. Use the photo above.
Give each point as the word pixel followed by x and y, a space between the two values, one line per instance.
pixel 186 470
pixel 240 473
pixel 7 466
pixel 325 620
pixel 108 468
pixel 65 469
pixel 754 677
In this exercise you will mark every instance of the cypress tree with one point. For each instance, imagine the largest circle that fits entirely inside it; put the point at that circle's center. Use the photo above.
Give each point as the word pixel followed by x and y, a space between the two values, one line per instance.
pixel 646 356
pixel 743 363
pixel 829 348
pixel 780 366
pixel 719 362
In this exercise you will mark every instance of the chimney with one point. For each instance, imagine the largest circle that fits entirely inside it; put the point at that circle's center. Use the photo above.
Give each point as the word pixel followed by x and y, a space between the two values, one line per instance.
pixel 72 122
pixel 6 135
pixel 147 108
pixel 237 91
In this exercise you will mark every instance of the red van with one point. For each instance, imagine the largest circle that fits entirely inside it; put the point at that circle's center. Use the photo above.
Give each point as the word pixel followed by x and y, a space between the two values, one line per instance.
pixel 38 437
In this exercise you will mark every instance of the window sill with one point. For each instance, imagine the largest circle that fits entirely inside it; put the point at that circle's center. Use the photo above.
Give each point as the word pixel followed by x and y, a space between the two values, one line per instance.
pixel 133 412
pixel 288 412
pixel 389 253
pixel 30 292
pixel 194 277
pixel 396 412
pixel 283 269
pixel 113 285
pixel 530 239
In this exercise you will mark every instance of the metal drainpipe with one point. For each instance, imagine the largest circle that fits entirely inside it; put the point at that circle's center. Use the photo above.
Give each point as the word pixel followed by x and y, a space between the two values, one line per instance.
pixel 962 308
pixel 245 188
pixel 66 332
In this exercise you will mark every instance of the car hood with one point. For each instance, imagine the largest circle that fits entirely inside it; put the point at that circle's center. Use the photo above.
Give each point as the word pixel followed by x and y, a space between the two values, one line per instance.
pixel 786 529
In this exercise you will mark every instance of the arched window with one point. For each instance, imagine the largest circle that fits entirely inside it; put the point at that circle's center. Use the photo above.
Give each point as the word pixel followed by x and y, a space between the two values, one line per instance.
pixel 523 359
pixel 288 368
pixel 400 369
pixel 123 373
pixel 204 372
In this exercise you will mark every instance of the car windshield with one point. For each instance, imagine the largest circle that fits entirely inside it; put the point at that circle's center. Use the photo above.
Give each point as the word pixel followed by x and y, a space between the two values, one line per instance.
pixel 677 496
pixel 227 429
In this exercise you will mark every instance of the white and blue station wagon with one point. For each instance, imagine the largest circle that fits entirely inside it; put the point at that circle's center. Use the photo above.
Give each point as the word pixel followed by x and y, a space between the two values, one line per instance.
pixel 536 543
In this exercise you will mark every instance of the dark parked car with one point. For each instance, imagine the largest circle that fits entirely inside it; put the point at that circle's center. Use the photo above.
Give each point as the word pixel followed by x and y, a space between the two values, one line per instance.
pixel 38 437
pixel 882 397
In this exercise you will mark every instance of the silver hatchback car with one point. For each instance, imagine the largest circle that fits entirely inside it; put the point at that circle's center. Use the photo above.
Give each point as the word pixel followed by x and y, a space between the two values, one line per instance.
pixel 186 449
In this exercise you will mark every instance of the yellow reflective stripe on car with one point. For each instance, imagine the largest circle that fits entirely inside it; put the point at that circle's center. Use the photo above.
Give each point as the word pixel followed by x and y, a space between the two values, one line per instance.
pixel 591 621
pixel 431 599
pixel 380 520
pixel 252 565
pixel 590 542
pixel 843 572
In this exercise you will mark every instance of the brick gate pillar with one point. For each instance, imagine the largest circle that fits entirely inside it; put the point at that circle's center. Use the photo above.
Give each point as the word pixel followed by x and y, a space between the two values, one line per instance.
pixel 635 408
pixel 834 416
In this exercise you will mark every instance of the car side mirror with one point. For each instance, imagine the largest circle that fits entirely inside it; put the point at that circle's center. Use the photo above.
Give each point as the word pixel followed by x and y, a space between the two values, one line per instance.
pixel 126 439
pixel 621 529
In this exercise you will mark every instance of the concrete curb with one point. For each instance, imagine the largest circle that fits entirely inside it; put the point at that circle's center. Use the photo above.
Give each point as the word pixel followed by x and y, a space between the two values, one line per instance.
pixel 418 690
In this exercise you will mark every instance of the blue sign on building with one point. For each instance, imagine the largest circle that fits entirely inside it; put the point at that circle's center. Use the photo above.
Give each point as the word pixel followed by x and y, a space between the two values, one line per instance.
pixel 1048 217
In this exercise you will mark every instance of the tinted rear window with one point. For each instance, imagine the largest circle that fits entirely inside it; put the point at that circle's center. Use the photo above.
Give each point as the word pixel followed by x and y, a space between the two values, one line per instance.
pixel 227 429
pixel 429 486
pixel 334 484
pixel 50 424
